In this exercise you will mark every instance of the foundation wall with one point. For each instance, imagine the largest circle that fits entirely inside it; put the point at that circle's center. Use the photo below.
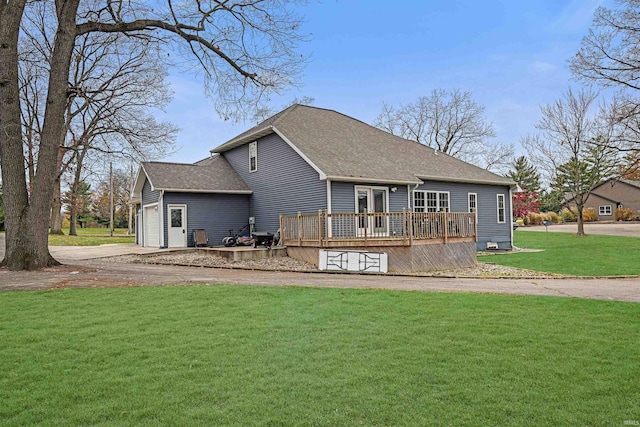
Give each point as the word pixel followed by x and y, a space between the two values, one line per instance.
pixel 408 259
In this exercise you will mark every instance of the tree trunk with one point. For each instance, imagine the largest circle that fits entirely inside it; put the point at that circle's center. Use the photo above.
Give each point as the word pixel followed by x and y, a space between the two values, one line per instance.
pixel 73 218
pixel 580 222
pixel 56 210
pixel 73 206
pixel 56 205
pixel 19 243
pixel 27 218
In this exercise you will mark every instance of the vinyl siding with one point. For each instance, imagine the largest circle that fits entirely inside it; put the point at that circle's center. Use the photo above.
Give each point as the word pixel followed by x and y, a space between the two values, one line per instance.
pixel 284 183
pixel 343 196
pixel 489 230
pixel 149 196
pixel 215 213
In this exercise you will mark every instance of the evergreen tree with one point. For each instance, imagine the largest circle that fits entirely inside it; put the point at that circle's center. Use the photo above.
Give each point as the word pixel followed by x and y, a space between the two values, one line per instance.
pixel 528 180
pixel 551 200
pixel 525 175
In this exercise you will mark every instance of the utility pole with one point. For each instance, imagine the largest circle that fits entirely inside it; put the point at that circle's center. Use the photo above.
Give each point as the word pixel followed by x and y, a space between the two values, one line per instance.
pixel 130 225
pixel 111 199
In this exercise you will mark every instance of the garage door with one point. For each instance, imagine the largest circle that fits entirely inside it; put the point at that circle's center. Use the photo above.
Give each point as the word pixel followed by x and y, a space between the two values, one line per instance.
pixel 151 227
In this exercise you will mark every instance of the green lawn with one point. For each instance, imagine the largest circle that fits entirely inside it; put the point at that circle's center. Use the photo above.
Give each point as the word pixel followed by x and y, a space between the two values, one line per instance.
pixel 91 237
pixel 220 355
pixel 564 253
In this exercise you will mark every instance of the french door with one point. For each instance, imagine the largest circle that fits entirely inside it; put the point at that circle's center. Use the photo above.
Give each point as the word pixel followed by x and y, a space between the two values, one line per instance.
pixel 372 201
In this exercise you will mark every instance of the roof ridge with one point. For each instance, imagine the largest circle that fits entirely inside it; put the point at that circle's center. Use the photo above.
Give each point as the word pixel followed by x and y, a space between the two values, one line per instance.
pixel 281 114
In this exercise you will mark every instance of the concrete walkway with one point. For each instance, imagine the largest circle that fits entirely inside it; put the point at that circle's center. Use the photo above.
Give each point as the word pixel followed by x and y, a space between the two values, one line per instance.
pixel 83 270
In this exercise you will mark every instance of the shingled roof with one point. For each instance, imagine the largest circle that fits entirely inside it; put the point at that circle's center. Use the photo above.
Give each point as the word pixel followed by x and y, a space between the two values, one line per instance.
pixel 340 147
pixel 212 175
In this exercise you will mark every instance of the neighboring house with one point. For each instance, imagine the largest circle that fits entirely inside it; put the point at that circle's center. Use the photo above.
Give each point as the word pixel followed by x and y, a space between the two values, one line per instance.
pixel 611 195
pixel 305 160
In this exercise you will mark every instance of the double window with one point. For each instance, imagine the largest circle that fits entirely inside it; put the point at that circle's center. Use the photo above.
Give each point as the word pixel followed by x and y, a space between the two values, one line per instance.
pixel 604 210
pixel 253 156
pixel 430 201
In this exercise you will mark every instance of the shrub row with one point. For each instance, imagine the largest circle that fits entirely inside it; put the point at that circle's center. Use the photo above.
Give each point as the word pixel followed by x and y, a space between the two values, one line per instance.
pixel 536 218
pixel 624 214
pixel 588 215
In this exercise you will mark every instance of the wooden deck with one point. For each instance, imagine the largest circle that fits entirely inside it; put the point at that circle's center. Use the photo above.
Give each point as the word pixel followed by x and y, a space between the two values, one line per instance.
pixel 407 228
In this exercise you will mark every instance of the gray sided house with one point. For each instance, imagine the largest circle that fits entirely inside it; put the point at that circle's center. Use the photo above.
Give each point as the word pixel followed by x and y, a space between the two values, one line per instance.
pixel 305 160
pixel 173 199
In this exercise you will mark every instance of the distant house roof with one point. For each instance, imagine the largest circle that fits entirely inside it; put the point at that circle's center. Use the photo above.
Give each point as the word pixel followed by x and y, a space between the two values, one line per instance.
pixel 630 182
pixel 343 148
pixel 211 175
pixel 597 191
pixel 593 193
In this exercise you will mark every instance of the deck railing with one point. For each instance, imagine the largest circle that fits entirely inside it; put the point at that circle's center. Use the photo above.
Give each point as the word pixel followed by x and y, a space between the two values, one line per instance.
pixel 393 228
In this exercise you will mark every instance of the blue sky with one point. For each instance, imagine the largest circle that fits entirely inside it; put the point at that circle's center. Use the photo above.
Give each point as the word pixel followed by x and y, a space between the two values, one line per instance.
pixel 511 55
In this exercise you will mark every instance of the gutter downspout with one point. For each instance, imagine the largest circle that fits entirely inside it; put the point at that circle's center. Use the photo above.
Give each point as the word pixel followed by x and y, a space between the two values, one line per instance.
pixel 329 227
pixel 511 216
pixel 161 216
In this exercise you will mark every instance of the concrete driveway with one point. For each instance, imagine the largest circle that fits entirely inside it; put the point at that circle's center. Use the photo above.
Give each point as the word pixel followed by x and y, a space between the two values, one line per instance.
pixel 82 271
pixel 629 229
pixel 66 254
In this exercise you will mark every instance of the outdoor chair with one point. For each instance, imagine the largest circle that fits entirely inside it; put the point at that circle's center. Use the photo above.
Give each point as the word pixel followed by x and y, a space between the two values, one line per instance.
pixel 200 238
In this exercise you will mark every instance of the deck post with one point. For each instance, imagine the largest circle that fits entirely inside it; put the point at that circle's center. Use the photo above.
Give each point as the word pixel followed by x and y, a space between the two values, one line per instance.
pixel 299 228
pixel 475 225
pixel 444 225
pixel 327 227
pixel 320 223
pixel 366 225
pixel 281 229
pixel 405 227
pixel 410 227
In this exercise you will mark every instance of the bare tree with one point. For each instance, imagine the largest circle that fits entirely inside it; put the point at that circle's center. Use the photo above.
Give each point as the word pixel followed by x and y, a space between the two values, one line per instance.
pixel 571 148
pixel 115 81
pixel 247 50
pixel 451 122
pixel 608 54
pixel 609 57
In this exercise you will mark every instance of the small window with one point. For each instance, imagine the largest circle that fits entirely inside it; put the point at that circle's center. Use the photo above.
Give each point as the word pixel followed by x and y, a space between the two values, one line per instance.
pixel 432 201
pixel 443 202
pixel 501 209
pixel 253 156
pixel 176 217
pixel 418 201
pixel 473 202
pixel 604 210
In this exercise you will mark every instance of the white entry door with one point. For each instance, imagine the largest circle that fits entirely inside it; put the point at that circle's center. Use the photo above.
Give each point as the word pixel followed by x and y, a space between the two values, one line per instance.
pixel 177 218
